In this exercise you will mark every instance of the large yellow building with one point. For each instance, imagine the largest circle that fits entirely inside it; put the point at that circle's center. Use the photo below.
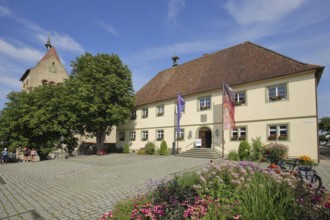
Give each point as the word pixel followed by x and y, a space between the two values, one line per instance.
pixel 276 99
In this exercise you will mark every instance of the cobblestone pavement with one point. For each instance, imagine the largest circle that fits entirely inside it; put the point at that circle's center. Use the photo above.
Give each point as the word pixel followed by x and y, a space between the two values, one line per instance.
pixel 83 187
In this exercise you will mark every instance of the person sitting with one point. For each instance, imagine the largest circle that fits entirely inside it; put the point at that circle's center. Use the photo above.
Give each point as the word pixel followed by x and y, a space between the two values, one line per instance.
pixel 26 153
pixel 33 154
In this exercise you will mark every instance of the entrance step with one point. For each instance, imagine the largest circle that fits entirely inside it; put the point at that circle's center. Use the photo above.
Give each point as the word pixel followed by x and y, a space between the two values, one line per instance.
pixel 201 153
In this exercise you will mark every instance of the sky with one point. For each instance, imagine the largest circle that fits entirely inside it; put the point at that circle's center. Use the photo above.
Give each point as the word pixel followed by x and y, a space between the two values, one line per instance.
pixel 147 33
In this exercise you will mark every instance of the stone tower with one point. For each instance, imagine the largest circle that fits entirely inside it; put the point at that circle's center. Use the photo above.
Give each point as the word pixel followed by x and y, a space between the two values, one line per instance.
pixel 49 70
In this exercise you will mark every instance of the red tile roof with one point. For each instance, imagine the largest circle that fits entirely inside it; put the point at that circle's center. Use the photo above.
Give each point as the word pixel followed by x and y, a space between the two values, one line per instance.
pixel 240 64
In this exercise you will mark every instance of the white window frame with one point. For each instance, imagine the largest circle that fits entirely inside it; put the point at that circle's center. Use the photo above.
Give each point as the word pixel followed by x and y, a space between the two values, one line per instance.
pixel 133 115
pixel 132 135
pixel 204 103
pixel 145 112
pixel 176 109
pixel 275 92
pixel 160 135
pixel 278 132
pixel 181 134
pixel 144 135
pixel 240 98
pixel 239 133
pixel 160 110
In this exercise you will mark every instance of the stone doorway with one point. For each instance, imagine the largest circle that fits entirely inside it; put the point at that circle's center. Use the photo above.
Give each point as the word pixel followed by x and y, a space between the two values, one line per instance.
pixel 205 135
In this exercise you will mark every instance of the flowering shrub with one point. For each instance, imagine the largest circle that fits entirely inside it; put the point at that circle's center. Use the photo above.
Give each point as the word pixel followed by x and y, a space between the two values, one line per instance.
pixel 150 148
pixel 306 160
pixel 275 151
pixel 101 152
pixel 244 150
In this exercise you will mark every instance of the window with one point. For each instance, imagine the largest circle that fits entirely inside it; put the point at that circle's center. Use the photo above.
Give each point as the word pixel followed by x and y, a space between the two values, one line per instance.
pixel 160 110
pixel 238 134
pixel 122 135
pixel 277 93
pixel 44 82
pixel 144 135
pixel 204 103
pixel 144 112
pixel 240 98
pixel 132 135
pixel 160 135
pixel 181 134
pixel 176 108
pixel 133 115
pixel 278 132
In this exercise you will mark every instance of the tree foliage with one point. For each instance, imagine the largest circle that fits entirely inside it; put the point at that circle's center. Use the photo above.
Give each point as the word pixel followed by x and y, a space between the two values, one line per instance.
pixel 324 124
pixel 102 93
pixel 98 95
pixel 37 119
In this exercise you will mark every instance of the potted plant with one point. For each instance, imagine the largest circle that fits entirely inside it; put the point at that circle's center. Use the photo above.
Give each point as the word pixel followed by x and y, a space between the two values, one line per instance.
pixel 283 137
pixel 272 137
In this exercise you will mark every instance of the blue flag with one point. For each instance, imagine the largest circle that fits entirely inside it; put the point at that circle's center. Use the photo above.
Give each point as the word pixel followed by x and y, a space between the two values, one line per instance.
pixel 180 105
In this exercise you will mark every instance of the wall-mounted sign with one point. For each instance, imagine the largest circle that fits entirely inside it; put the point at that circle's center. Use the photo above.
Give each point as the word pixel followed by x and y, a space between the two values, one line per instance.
pixel 198 142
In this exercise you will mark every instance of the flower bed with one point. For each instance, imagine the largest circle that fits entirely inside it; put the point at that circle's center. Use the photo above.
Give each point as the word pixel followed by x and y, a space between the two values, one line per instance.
pixel 230 190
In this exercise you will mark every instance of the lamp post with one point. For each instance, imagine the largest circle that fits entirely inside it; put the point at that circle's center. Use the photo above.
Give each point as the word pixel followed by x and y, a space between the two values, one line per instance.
pixel 62 146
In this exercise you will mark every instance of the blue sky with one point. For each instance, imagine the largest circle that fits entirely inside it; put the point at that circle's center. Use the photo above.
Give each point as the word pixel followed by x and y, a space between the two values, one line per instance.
pixel 147 33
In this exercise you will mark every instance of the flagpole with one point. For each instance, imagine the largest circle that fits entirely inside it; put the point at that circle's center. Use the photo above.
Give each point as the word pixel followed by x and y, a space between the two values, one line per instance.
pixel 177 126
pixel 223 130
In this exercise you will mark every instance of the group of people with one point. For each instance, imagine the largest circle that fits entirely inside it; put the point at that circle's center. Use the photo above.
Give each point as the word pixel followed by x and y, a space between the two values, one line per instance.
pixel 27 153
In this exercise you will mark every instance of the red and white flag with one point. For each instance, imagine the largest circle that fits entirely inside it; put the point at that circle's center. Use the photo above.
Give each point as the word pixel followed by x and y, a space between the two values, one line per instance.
pixel 228 107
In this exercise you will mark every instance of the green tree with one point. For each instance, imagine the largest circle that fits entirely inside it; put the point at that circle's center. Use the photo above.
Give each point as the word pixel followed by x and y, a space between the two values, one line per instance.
pixel 102 94
pixel 244 150
pixel 324 124
pixel 37 119
pixel 163 148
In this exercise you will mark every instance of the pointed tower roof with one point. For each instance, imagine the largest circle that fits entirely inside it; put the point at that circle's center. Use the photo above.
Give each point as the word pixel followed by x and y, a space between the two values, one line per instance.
pixel 48 43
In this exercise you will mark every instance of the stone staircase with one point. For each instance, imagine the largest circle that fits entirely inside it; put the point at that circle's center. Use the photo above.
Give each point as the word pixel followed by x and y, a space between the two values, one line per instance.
pixel 201 153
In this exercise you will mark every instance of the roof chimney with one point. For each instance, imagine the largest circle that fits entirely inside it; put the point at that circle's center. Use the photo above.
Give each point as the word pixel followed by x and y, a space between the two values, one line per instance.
pixel 175 59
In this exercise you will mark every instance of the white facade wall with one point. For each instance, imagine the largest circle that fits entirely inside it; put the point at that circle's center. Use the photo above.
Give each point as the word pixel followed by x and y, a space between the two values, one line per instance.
pixel 298 112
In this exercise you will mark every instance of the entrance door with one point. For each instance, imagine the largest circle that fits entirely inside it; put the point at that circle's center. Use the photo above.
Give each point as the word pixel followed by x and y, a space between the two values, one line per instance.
pixel 206 136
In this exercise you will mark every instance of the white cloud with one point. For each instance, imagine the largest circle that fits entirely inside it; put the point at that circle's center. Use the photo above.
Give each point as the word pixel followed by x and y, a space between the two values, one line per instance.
pixel 4 11
pixel 108 28
pixel 251 11
pixel 174 8
pixel 23 53
pixel 61 41
pixel 184 48
pixel 11 82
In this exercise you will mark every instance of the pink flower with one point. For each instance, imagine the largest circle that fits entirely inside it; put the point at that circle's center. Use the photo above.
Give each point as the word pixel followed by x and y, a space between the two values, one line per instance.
pixel 237 216
pixel 327 205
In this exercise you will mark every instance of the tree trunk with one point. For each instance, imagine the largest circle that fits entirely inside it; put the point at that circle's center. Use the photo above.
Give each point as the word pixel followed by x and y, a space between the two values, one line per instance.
pixel 100 137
